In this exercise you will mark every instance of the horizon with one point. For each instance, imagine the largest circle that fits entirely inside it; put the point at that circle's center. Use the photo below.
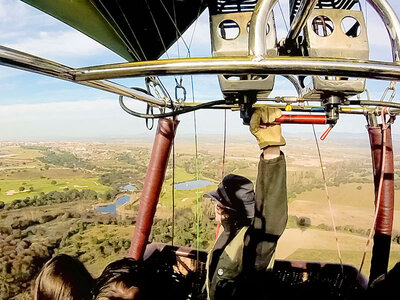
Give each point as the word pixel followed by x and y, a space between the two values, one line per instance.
pixel 210 137
pixel 37 107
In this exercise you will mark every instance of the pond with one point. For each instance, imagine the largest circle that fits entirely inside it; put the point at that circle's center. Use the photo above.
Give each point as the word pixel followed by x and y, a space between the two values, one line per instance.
pixel 190 185
pixel 128 187
pixel 112 208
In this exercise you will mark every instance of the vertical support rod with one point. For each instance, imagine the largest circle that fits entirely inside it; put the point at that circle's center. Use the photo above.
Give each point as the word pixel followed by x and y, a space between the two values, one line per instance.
pixel 302 15
pixel 152 185
pixel 384 222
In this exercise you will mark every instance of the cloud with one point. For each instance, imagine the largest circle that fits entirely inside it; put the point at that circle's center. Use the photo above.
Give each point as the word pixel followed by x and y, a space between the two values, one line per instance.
pixel 58 110
pixel 21 17
pixel 196 38
pixel 58 44
pixel 10 11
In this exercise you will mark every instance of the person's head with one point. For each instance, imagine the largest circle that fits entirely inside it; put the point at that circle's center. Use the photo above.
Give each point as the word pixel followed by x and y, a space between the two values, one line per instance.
pixel 122 279
pixel 63 277
pixel 234 198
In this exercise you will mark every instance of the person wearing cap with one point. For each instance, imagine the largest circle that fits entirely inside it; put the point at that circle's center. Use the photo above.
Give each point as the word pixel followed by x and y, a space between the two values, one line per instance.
pixel 252 220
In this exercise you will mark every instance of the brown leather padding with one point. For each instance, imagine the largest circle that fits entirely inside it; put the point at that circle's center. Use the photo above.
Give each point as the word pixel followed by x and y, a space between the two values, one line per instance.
pixel 384 223
pixel 155 174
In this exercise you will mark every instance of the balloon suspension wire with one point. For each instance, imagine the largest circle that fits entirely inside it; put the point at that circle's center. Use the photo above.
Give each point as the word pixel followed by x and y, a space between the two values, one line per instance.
pixel 381 179
pixel 194 27
pixel 173 184
pixel 158 31
pixel 175 25
pixel 197 178
pixel 175 22
pixel 224 148
pixel 328 198
pixel 283 16
pixel 222 169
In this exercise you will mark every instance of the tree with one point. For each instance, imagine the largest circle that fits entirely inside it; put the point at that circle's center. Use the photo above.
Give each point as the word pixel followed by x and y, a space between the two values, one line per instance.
pixel 53 182
pixel 21 188
pixel 2 204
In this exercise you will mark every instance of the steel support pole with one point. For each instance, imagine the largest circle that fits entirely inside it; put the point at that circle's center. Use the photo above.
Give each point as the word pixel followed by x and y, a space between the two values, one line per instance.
pixel 27 62
pixel 163 142
pixel 384 222
pixel 302 15
pixel 238 65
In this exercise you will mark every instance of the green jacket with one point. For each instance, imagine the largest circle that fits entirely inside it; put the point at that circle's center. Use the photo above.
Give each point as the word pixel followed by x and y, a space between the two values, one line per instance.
pixel 253 247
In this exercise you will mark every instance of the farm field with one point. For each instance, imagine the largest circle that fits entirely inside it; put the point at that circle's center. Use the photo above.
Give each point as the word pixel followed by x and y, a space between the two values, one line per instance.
pixel 353 204
pixel 49 192
pixel 17 189
pixel 320 246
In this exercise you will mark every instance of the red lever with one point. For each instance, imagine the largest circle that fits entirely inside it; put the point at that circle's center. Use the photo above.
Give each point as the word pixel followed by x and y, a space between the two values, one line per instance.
pixel 300 119
pixel 324 135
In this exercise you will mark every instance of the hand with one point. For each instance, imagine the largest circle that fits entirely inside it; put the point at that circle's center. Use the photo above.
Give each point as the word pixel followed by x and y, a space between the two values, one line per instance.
pixel 269 135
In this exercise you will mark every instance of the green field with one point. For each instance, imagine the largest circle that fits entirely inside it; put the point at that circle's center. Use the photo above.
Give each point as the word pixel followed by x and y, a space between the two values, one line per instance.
pixel 10 189
pixel 183 198
pixel 354 194
pixel 348 257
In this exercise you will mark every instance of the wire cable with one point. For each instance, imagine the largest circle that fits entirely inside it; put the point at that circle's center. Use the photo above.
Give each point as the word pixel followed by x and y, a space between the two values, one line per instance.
pixel 173 184
pixel 283 16
pixel 223 169
pixel 194 27
pixel 197 180
pixel 328 198
pixel 169 114
pixel 175 25
pixel 224 149
pixel 133 34
pixel 158 29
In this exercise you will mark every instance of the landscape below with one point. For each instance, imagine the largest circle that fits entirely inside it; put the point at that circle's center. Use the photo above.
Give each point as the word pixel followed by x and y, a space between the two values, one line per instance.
pixel 50 192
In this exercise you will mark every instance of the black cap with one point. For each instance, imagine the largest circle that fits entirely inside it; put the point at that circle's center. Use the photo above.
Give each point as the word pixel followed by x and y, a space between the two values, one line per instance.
pixel 235 193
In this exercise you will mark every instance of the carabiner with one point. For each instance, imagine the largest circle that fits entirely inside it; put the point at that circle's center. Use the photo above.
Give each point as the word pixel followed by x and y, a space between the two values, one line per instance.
pixel 177 87
pixel 391 87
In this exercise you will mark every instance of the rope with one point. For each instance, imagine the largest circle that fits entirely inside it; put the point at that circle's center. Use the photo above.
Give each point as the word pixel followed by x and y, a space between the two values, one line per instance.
pixel 328 198
pixel 197 178
pixel 136 55
pixel 283 16
pixel 158 30
pixel 224 149
pixel 378 201
pixel 223 169
pixel 176 27
pixel 176 22
pixel 194 28
pixel 173 184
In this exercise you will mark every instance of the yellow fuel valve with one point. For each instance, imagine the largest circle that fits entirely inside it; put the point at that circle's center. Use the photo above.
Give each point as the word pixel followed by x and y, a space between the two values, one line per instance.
pixel 288 107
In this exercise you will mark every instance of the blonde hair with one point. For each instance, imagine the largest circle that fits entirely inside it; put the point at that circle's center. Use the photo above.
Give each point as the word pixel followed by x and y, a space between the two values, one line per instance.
pixel 120 291
pixel 63 278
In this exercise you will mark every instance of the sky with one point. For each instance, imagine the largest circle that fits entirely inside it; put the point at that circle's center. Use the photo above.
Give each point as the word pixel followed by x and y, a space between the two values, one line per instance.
pixel 36 107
